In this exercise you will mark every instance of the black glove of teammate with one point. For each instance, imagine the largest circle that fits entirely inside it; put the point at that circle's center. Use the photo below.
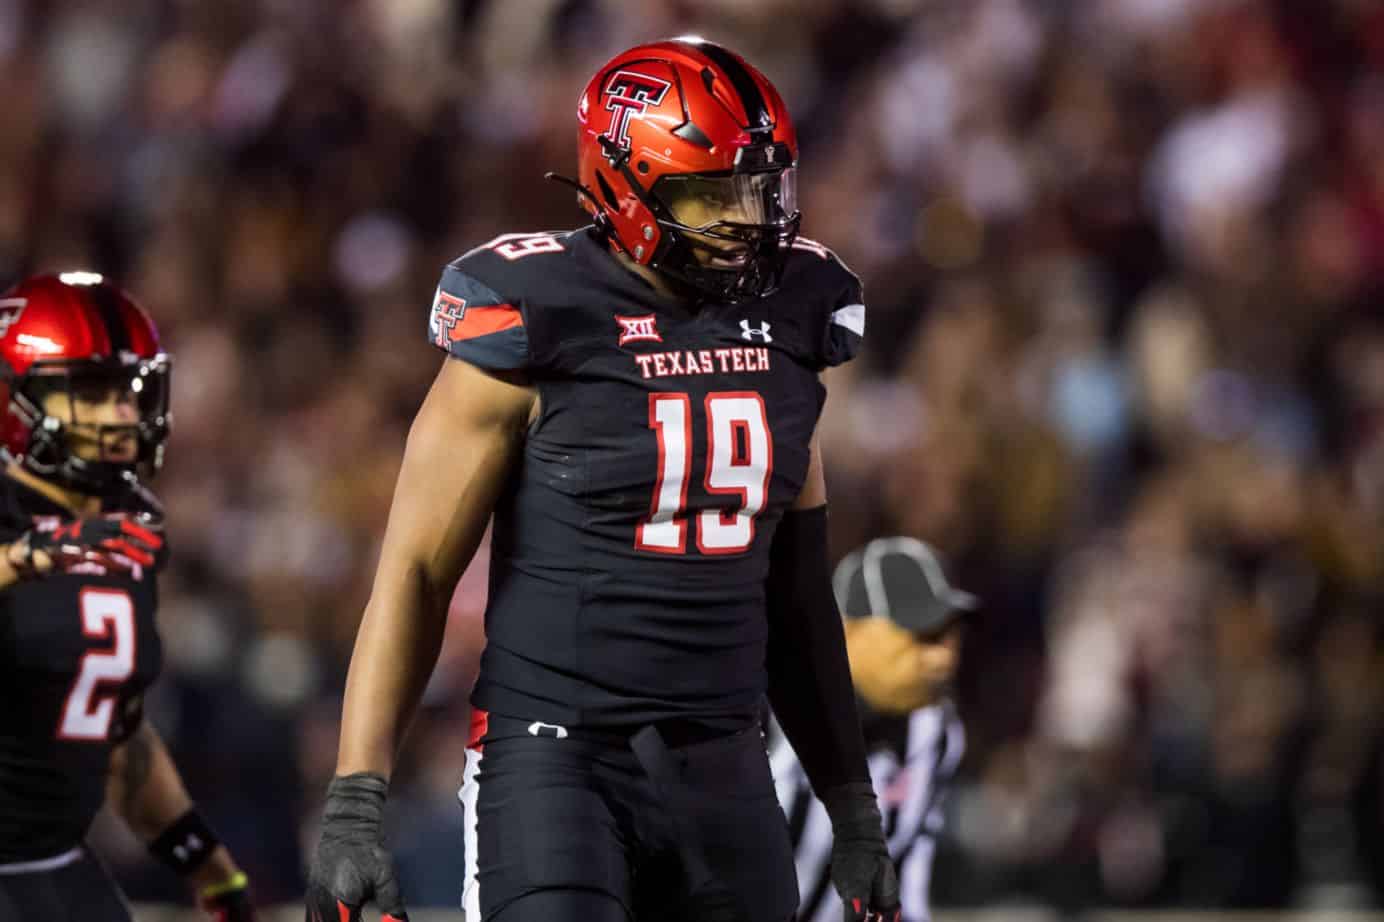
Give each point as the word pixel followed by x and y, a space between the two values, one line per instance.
pixel 114 542
pixel 229 902
pixel 861 868
pixel 352 866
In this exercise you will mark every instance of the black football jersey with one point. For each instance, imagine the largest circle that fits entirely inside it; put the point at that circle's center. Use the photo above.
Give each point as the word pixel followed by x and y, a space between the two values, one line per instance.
pixel 631 544
pixel 77 651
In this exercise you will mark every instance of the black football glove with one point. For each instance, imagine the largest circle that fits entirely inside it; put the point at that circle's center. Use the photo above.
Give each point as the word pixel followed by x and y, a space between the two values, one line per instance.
pixel 114 542
pixel 229 902
pixel 352 867
pixel 861 868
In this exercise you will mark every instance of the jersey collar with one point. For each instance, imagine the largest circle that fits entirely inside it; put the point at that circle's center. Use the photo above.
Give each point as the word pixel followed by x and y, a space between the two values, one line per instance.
pixel 637 289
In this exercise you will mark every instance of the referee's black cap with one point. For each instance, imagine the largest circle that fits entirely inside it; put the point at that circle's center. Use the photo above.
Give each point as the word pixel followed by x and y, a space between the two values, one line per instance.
pixel 901 579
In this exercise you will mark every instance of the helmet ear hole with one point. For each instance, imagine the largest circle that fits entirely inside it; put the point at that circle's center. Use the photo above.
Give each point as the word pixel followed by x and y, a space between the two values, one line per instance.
pixel 606 192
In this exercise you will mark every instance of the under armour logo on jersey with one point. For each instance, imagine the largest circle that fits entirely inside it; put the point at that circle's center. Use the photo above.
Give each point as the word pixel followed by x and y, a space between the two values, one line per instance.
pixel 749 332
pixel 539 728
pixel 643 329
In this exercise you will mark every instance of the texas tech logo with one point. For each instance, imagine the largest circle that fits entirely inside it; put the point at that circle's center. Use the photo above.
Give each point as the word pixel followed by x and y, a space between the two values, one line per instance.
pixel 642 329
pixel 629 95
pixel 446 315
pixel 10 309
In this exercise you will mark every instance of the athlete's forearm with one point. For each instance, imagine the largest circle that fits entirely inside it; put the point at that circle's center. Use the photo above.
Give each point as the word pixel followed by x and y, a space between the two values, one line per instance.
pixel 809 674
pixel 143 786
pixel 146 790
pixel 459 453
pixel 396 649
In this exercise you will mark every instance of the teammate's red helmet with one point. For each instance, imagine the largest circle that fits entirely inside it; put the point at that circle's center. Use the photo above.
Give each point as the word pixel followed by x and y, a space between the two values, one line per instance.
pixel 687 121
pixel 57 331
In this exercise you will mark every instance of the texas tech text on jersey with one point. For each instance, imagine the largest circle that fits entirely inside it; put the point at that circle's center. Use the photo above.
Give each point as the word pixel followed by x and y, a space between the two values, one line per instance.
pixel 724 360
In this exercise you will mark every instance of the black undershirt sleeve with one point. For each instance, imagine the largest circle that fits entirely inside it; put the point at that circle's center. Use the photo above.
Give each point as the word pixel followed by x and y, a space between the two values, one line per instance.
pixel 810 686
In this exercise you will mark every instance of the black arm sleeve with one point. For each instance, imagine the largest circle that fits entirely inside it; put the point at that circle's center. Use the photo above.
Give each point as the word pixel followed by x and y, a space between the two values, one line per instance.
pixel 809 675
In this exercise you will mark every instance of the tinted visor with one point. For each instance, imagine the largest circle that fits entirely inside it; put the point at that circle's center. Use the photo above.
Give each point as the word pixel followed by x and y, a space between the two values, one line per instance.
pixel 700 201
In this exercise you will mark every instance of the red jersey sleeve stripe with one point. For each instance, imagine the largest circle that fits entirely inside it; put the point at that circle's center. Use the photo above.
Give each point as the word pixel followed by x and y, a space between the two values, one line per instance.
pixel 482 321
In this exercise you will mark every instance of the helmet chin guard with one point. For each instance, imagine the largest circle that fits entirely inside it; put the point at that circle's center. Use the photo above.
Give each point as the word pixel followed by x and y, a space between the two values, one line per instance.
pixel 754 271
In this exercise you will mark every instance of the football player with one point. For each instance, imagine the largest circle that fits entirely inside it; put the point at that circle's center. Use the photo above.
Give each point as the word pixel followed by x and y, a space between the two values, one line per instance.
pixel 903 636
pixel 635 403
pixel 85 386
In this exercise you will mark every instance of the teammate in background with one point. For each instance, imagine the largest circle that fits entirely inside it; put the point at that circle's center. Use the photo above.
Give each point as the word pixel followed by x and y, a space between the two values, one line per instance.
pixel 635 402
pixel 903 634
pixel 85 386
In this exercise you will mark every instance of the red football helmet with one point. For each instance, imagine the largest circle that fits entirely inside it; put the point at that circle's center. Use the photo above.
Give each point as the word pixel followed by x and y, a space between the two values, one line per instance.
pixel 59 333
pixel 676 131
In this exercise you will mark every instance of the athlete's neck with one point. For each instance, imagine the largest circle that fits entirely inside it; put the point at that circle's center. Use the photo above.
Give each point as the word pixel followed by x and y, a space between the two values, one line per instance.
pixel 79 503
pixel 657 281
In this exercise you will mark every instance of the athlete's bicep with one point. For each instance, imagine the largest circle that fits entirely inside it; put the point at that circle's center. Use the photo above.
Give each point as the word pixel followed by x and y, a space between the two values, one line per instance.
pixel 458 454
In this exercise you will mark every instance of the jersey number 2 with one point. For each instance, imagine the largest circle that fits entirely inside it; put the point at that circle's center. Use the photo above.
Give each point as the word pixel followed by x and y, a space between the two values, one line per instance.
pixel 739 462
pixel 107 614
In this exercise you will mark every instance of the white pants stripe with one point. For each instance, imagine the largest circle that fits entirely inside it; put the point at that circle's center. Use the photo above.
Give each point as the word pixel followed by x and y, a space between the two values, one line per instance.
pixel 71 856
pixel 470 885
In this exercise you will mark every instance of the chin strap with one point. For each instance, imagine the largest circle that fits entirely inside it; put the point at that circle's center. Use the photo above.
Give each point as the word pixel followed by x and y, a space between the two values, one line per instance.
pixel 598 214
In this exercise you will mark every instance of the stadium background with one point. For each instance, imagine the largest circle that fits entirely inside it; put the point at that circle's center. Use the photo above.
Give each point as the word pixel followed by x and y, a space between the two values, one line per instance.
pixel 1125 367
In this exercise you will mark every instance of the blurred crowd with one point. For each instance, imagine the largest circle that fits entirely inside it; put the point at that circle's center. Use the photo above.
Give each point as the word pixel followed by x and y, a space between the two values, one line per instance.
pixel 1124 262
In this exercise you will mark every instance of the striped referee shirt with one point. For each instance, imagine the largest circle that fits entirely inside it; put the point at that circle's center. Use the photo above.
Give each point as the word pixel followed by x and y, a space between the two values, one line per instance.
pixel 912 760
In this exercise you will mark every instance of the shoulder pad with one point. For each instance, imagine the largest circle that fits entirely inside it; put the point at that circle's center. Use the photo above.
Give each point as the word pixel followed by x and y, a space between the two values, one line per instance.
pixel 841 322
pixel 520 267
pixel 479 308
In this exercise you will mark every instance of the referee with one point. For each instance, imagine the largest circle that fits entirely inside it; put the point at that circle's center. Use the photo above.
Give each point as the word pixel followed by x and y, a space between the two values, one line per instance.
pixel 903 635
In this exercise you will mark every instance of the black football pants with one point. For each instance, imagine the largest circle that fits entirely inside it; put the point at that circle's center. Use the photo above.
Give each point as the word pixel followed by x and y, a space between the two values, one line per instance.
pixel 578 827
pixel 77 892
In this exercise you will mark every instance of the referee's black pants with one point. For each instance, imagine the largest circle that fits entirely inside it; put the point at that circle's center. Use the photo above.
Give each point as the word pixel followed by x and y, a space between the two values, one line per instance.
pixel 594 827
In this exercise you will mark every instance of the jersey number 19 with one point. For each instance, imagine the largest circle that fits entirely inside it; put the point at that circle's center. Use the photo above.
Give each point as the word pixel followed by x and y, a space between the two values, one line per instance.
pixel 739 463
